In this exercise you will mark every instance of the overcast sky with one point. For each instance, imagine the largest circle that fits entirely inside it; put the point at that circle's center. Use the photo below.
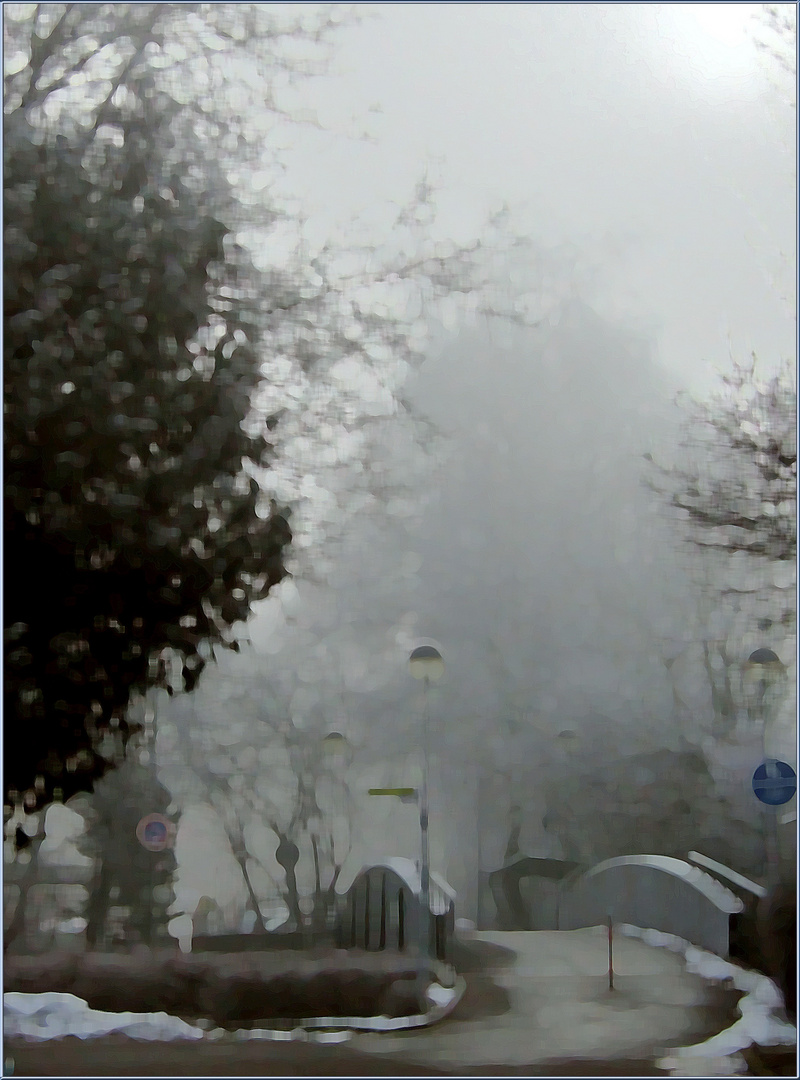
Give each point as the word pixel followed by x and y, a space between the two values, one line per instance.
pixel 651 136
pixel 652 140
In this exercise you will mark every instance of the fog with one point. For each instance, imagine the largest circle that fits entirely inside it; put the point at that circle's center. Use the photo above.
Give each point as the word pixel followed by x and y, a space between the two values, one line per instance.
pixel 402 404
pixel 558 592
pixel 651 137
pixel 648 157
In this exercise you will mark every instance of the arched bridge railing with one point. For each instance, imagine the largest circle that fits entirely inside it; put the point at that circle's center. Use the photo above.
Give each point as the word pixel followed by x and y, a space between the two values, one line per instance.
pixel 381 910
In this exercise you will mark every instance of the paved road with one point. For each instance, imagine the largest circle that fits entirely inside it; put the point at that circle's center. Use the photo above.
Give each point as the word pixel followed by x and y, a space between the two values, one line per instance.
pixel 537 1004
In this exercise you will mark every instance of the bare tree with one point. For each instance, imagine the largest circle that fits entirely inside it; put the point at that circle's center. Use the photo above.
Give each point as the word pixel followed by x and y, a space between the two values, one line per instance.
pixel 141 292
pixel 26 841
pixel 736 482
pixel 775 34
pixel 260 771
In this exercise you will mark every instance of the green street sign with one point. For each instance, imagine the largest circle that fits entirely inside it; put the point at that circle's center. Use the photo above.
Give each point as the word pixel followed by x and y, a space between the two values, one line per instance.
pixel 402 792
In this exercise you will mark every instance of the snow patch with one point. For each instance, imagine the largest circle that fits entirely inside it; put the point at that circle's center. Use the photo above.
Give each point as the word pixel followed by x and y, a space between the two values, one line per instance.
pixel 53 1015
pixel 440 995
pixel 706 1066
pixel 720 1055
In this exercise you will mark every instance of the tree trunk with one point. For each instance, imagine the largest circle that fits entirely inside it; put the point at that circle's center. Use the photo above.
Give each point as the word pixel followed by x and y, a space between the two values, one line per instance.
pixel 287 855
pixel 97 906
pixel 241 858
pixel 315 850
pixel 721 699
pixel 17 925
pixel 293 897
pixel 320 899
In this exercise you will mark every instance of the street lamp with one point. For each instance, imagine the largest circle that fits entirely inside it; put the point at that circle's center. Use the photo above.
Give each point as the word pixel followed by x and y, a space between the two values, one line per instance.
pixel 425 663
pixel 338 752
pixel 335 746
pixel 764 673
pixel 568 740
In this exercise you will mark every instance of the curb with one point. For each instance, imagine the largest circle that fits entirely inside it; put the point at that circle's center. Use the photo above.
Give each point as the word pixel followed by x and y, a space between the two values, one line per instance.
pixel 312 1029
pixel 759 1021
pixel 338 1026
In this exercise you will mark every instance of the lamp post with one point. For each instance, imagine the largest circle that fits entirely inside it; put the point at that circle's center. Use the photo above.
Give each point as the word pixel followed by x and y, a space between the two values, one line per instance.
pixel 764 673
pixel 336 747
pixel 426 664
pixel 568 741
pixel 338 753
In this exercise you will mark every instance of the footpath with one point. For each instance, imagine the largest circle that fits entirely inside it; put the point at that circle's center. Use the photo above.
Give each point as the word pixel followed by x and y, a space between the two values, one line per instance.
pixel 560 1007
pixel 536 1004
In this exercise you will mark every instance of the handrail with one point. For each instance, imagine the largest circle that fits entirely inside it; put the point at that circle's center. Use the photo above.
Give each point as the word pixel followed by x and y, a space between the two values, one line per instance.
pixel 726 872
pixel 407 871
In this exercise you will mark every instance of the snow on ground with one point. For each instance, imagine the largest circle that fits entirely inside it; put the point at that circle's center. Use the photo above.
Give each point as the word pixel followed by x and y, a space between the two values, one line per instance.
pixel 559 1006
pixel 40 1017
pixel 759 1024
pixel 53 1015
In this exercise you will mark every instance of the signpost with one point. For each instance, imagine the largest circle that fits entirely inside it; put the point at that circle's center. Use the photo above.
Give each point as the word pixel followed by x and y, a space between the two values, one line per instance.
pixel 774 783
pixel 404 794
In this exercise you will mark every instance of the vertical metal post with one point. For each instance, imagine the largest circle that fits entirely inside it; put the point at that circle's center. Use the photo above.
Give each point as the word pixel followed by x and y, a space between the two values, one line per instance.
pixel 771 845
pixel 150 925
pixel 382 932
pixel 479 838
pixel 772 872
pixel 366 911
pixel 423 936
pixel 610 954
pixel 425 663
pixel 774 856
pixel 425 874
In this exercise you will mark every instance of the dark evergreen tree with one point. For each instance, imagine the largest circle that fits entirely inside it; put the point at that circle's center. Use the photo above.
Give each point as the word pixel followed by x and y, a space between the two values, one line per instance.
pixel 132 521
pixel 147 360
pixel 127 875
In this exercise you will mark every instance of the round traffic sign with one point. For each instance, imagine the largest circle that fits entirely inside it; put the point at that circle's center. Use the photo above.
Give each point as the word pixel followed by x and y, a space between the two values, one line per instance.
pixel 774 782
pixel 154 832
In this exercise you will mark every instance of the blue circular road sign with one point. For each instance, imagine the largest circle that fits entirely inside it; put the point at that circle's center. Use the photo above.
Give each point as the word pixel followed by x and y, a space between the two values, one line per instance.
pixel 774 782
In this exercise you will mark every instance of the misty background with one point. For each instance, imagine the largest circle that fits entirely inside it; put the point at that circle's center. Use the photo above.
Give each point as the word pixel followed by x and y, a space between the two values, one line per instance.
pixel 652 163
pixel 646 153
